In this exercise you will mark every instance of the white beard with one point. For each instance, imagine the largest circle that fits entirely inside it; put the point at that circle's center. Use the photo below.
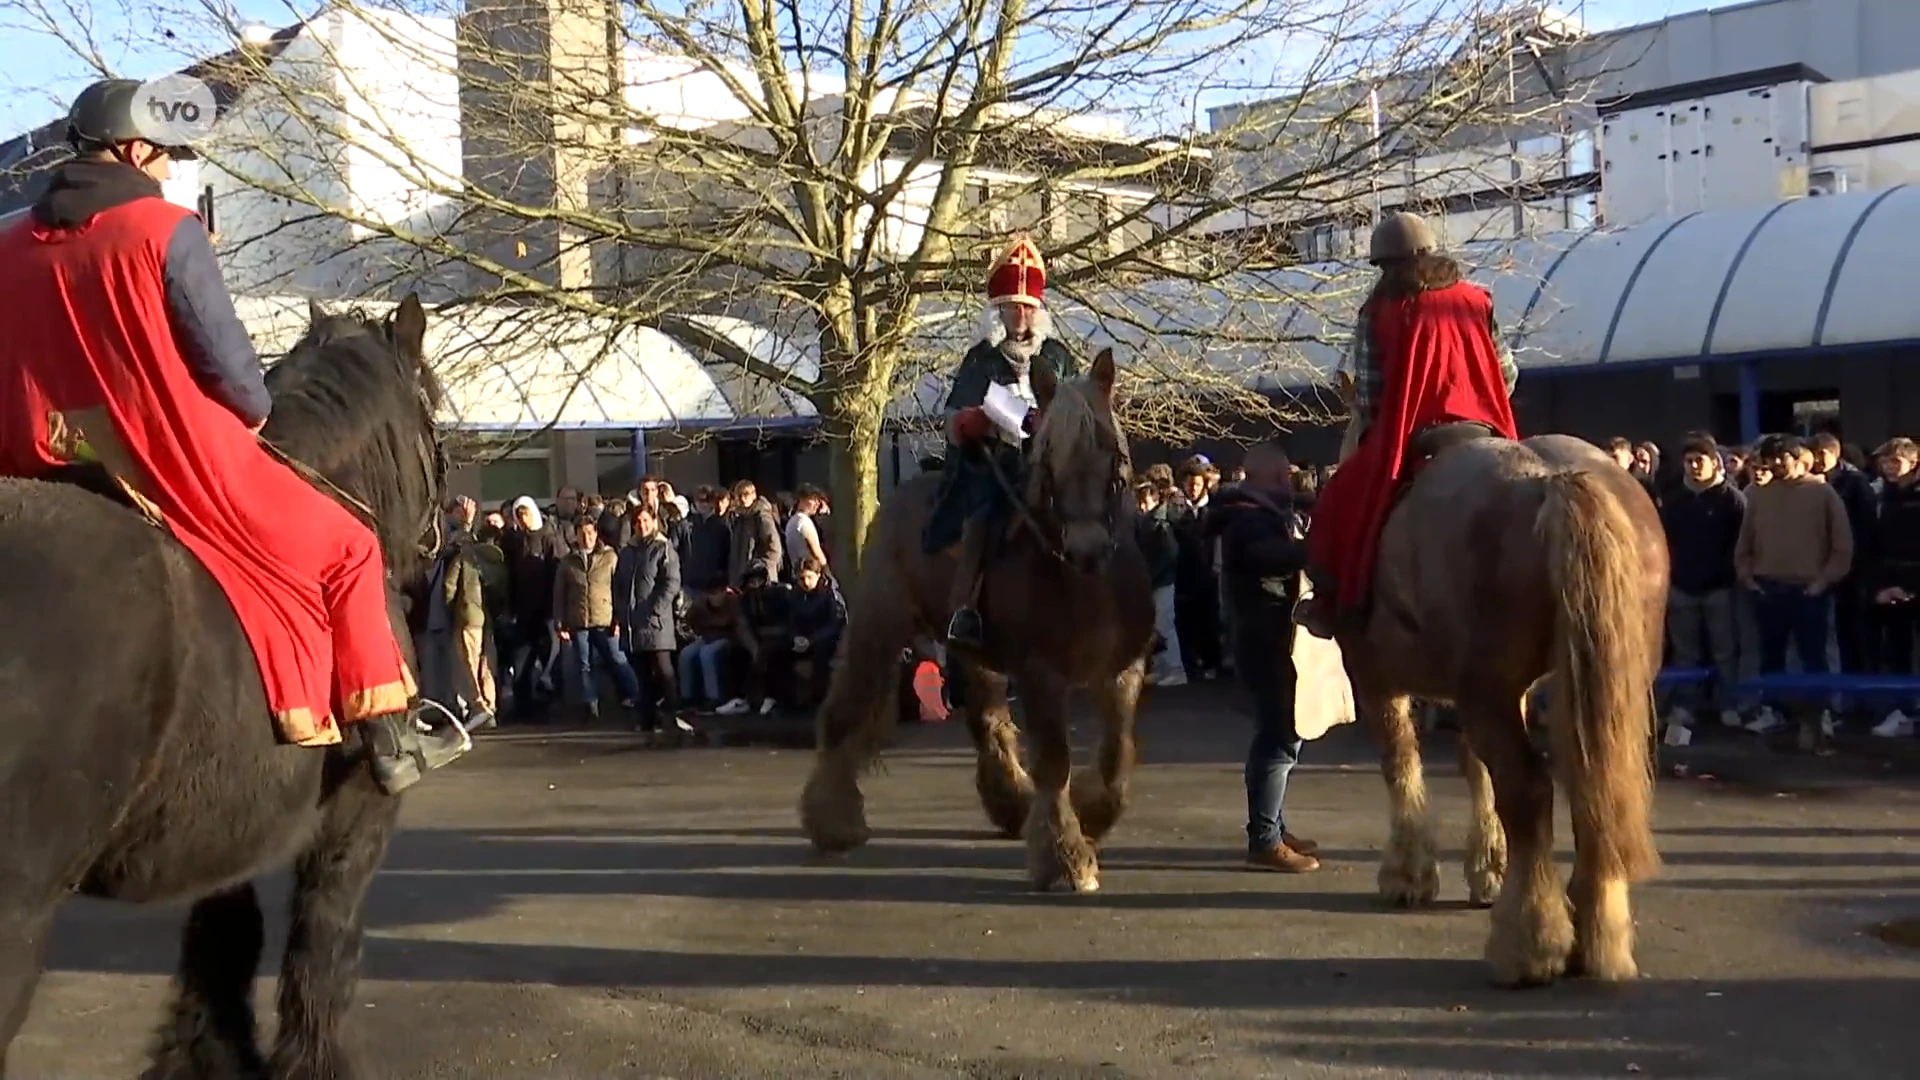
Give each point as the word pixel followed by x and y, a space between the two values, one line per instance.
pixel 1019 354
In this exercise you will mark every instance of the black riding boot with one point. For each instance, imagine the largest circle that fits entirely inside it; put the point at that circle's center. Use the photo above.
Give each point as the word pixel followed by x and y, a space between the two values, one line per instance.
pixel 399 753
pixel 965 630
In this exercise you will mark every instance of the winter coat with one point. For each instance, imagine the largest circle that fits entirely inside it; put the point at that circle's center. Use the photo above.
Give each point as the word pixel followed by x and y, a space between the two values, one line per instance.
pixel 646 593
pixel 532 558
pixel 1260 557
pixel 709 553
pixel 818 614
pixel 1703 530
pixel 1155 533
pixel 756 541
pixel 583 589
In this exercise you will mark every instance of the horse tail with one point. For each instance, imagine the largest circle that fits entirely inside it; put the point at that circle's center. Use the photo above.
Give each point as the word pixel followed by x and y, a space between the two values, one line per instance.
pixel 1607 655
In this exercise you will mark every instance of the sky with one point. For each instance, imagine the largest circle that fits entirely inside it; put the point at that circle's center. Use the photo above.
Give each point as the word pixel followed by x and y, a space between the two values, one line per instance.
pixel 39 72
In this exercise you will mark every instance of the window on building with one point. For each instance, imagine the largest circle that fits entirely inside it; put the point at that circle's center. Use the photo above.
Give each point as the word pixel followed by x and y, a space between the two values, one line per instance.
pixel 1541 157
pixel 524 473
pixel 1026 211
pixel 1316 244
pixel 1582 153
pixel 1583 211
pixel 1079 214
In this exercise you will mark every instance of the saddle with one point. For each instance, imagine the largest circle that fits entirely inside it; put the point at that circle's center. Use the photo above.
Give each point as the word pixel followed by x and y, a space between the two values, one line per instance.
pixel 1431 442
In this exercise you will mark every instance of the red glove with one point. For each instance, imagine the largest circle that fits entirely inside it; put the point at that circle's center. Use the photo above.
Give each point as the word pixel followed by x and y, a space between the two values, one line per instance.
pixel 969 426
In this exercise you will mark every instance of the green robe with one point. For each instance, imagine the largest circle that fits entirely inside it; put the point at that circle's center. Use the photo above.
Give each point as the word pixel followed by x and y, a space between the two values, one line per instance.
pixel 967 487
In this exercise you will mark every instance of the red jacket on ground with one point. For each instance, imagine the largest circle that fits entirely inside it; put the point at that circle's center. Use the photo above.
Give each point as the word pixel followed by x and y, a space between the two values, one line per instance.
pixel 118 312
pixel 1439 362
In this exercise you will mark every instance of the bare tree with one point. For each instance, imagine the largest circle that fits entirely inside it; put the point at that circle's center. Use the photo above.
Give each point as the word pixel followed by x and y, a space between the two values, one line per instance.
pixel 838 174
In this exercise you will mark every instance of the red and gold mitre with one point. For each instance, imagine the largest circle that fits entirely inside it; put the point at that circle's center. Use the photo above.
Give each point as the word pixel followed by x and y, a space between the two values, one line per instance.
pixel 1019 277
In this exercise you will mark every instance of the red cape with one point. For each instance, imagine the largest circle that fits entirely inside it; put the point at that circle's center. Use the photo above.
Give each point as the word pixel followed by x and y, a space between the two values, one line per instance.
pixel 1439 364
pixel 91 333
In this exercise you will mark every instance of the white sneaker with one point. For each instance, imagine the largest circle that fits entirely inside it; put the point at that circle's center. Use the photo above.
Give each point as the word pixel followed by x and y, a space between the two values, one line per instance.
pixel 1897 725
pixel 1680 716
pixel 1731 718
pixel 680 722
pixel 1178 678
pixel 766 707
pixel 1829 725
pixel 733 708
pixel 1767 722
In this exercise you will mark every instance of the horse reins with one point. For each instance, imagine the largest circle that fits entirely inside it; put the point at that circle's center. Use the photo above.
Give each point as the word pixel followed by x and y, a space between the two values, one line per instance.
pixel 1024 514
pixel 431 459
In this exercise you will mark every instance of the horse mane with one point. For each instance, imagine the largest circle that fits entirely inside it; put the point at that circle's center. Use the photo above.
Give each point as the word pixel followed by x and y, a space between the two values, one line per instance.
pixel 350 405
pixel 1071 422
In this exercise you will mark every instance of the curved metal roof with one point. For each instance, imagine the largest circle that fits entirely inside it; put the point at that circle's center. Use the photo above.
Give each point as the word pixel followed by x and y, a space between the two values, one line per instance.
pixel 518 368
pixel 1803 275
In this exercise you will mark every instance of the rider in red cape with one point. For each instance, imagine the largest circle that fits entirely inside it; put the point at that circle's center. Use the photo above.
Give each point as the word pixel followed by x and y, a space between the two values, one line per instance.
pixel 1426 352
pixel 125 350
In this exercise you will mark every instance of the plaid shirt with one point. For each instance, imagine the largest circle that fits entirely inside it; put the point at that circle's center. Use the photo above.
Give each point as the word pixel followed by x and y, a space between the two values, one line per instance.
pixel 1360 366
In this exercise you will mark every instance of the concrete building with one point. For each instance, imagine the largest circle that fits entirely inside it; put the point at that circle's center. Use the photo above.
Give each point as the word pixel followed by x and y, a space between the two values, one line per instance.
pixel 1737 106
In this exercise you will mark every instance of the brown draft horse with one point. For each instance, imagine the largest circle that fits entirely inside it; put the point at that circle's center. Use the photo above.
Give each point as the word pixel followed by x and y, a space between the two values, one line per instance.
pixel 1068 602
pixel 1509 565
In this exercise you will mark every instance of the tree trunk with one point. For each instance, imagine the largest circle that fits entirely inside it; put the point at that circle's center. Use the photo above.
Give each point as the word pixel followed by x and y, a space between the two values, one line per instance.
pixel 853 462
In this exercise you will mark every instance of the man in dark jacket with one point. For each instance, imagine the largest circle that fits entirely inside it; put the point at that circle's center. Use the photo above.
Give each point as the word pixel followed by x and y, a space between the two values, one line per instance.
pixel 1196 587
pixel 1893 583
pixel 533 549
pixel 816 617
pixel 755 535
pixel 1261 557
pixel 762 631
pixel 1850 600
pixel 1153 531
pixel 709 544
pixel 1702 518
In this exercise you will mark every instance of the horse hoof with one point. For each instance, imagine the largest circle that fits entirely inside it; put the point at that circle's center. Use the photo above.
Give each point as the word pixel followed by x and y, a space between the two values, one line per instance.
pixel 1410 891
pixel 1066 885
pixel 836 845
pixel 1529 980
pixel 1482 891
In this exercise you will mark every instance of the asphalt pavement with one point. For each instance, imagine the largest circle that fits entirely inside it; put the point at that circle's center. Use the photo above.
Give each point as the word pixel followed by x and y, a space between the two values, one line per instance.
pixel 576 905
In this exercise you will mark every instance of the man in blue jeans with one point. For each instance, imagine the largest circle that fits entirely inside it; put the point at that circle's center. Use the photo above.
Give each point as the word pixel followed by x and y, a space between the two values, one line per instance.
pixel 1261 556
pixel 1795 546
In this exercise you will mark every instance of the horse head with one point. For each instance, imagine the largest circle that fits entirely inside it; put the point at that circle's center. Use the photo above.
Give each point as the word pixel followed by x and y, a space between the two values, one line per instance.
pixel 355 400
pixel 1081 467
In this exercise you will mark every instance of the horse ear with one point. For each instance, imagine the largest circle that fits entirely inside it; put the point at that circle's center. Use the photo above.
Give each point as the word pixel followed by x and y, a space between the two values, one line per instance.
pixel 1040 376
pixel 315 313
pixel 410 327
pixel 1103 373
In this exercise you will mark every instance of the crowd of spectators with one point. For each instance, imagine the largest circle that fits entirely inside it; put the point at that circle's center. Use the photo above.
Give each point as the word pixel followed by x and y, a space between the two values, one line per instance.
pixel 724 605
pixel 1793 554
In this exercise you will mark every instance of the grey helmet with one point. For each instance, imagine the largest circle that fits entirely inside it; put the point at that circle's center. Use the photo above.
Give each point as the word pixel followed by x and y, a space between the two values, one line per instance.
pixel 1400 235
pixel 102 117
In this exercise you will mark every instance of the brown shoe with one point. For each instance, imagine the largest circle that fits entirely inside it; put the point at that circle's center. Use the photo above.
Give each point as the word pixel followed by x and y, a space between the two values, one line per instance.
pixel 1300 844
pixel 1282 859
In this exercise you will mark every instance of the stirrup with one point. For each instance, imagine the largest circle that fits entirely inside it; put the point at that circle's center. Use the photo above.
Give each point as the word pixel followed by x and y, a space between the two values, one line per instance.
pixel 415 752
pixel 422 727
pixel 965 629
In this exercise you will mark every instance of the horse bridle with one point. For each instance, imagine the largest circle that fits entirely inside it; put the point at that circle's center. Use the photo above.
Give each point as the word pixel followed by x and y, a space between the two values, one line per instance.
pixel 1052 542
